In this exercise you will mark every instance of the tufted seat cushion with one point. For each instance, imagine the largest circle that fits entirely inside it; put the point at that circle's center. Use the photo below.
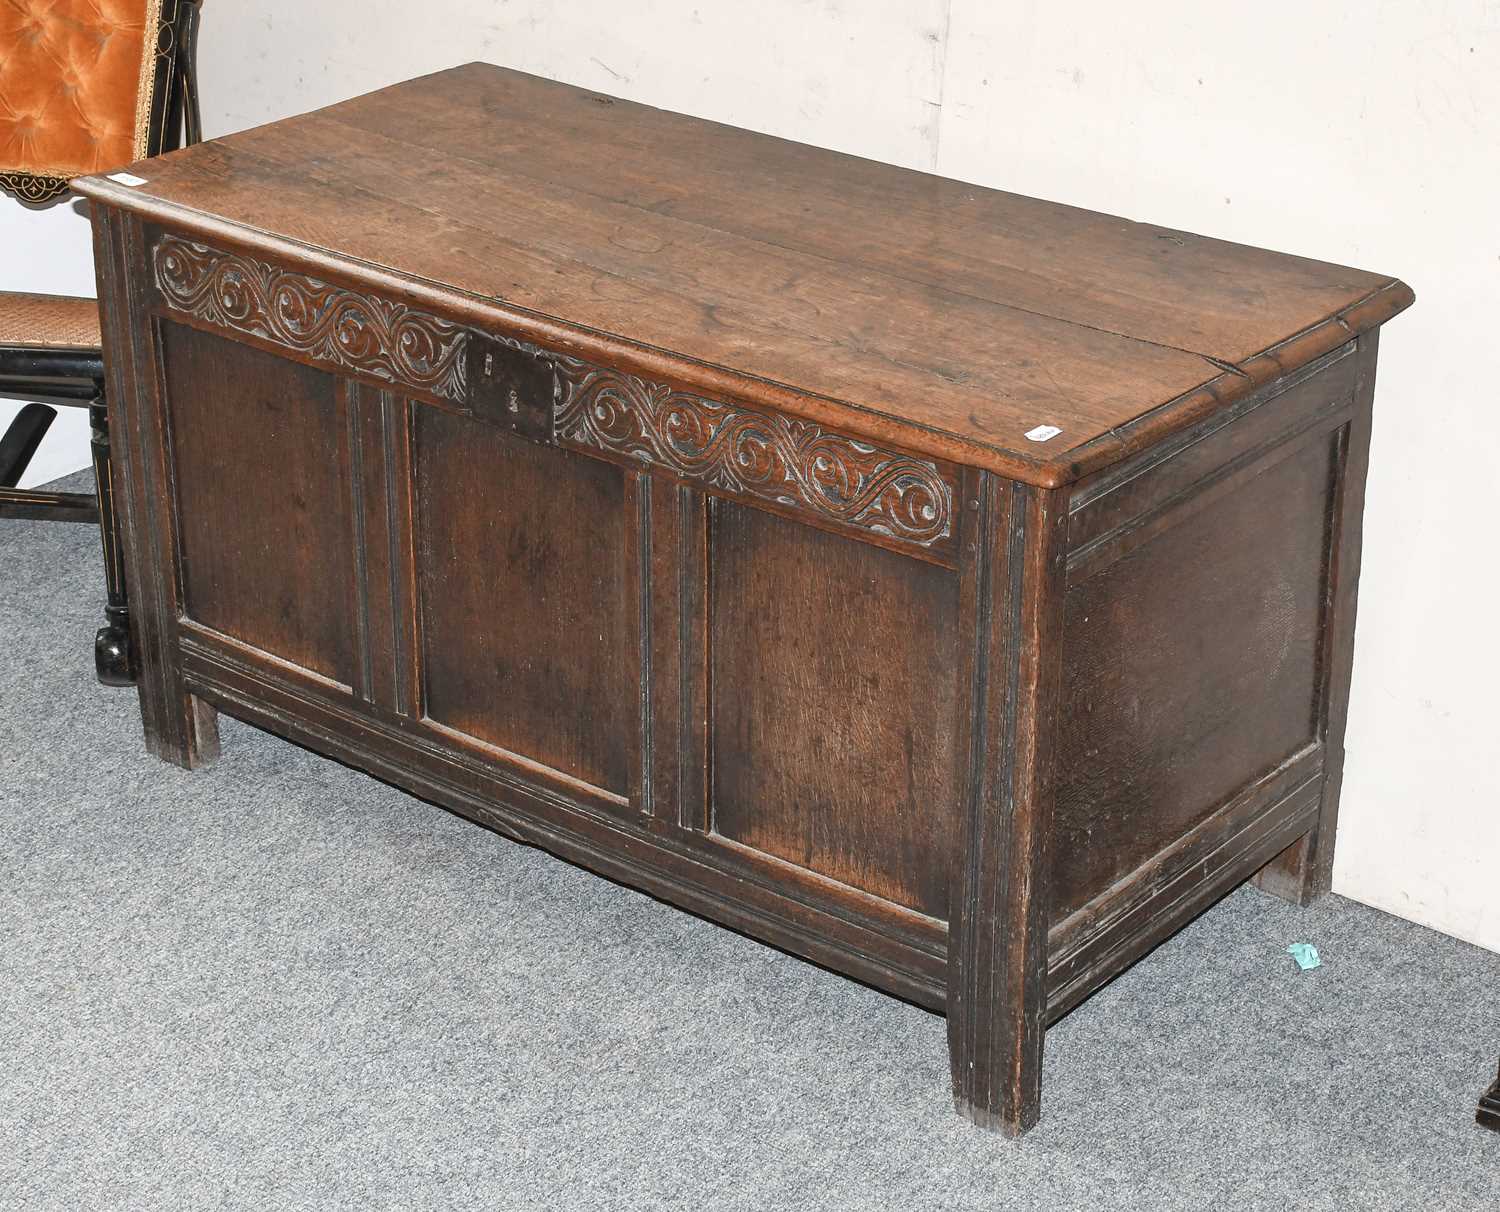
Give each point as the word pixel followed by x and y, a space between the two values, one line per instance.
pixel 57 321
pixel 75 84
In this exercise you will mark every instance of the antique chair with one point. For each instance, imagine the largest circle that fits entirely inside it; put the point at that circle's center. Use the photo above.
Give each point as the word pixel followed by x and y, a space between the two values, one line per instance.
pixel 85 86
pixel 1488 1115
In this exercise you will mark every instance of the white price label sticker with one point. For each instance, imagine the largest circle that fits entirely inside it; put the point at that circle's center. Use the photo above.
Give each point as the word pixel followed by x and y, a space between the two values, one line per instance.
pixel 127 179
pixel 1043 433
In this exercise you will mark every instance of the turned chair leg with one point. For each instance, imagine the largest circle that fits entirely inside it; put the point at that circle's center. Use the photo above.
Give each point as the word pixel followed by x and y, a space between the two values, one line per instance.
pixel 114 656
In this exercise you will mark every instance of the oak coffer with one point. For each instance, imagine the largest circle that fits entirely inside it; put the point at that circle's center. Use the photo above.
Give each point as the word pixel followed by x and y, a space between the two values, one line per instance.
pixel 952 588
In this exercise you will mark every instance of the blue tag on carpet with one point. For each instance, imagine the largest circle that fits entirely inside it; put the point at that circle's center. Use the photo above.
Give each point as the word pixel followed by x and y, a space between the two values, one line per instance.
pixel 1306 956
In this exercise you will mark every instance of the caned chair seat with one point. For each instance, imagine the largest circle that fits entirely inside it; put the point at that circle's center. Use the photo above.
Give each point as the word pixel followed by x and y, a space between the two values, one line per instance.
pixel 48 321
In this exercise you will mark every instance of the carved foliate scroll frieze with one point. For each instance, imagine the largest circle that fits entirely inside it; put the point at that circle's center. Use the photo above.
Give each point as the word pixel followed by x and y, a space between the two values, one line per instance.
pixel 348 330
pixel 761 455
pixel 792 463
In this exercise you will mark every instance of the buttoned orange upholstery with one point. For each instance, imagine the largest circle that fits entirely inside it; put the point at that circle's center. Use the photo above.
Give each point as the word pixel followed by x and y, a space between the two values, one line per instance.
pixel 75 84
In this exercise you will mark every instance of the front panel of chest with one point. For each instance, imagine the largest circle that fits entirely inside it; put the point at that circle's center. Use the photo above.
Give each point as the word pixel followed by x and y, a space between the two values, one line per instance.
pixel 729 632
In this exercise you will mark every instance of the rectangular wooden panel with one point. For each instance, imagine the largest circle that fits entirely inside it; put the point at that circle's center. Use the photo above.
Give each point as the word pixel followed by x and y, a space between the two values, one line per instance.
pixel 834 705
pixel 529 637
pixel 1191 665
pixel 260 455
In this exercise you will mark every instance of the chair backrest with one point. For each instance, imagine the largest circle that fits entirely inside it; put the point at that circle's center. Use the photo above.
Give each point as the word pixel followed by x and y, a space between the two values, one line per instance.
pixel 90 85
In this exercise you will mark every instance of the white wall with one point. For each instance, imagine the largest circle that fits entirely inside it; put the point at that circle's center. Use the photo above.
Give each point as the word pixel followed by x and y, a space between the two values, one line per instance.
pixel 1362 133
pixel 1355 132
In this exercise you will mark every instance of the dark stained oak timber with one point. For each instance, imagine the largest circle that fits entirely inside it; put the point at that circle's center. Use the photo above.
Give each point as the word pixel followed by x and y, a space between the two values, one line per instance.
pixel 1219 609
pixel 529 628
pixel 263 471
pixel 831 277
pixel 660 493
pixel 869 798
pixel 997 927
pixel 179 726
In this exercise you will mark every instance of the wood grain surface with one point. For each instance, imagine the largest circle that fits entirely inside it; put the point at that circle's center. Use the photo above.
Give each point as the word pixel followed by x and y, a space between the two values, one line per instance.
pixel 869 796
pixel 525 637
pixel 950 317
pixel 262 477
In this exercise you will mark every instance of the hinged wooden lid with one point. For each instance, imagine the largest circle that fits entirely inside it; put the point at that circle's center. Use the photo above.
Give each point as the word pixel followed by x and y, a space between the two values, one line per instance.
pixel 905 308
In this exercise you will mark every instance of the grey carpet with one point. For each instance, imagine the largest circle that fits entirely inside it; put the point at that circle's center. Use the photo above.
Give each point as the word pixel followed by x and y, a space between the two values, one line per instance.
pixel 277 983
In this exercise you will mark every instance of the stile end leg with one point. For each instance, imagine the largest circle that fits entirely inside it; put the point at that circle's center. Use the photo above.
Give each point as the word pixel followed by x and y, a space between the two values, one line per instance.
pixel 1005 1123
pixel 1291 875
pixel 1300 874
pixel 995 1055
pixel 190 741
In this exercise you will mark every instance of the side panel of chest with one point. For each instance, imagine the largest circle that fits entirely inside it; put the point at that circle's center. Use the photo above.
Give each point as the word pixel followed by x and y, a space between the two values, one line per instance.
pixel 1195 730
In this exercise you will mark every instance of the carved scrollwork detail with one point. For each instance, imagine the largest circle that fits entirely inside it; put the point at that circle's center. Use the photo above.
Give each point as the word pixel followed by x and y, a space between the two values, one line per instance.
pixel 768 456
pixel 350 331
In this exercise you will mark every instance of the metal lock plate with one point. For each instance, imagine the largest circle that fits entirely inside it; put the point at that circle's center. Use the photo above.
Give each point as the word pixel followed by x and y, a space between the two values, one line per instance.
pixel 511 387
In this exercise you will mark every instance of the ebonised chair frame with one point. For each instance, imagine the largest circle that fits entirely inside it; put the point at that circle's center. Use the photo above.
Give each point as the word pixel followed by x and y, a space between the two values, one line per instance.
pixel 74 377
pixel 1488 1114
